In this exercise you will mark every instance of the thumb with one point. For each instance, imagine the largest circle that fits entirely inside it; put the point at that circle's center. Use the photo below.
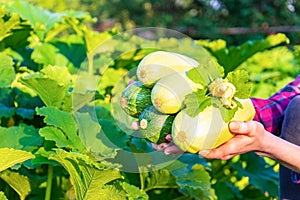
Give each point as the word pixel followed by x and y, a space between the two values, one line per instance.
pixel 239 127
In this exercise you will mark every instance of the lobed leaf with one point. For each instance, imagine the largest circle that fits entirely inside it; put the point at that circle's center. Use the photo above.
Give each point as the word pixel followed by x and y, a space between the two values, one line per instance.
pixel 87 180
pixel 240 80
pixel 22 137
pixel 18 182
pixel 194 181
pixel 230 58
pixel 10 157
pixel 63 121
pixel 196 102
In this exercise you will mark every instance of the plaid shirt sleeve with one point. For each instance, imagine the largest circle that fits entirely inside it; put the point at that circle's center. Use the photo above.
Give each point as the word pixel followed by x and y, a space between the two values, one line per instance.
pixel 270 111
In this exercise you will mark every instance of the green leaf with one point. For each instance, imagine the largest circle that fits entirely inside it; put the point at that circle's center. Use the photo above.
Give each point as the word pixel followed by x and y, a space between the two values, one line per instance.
pixel 161 178
pixel 61 53
pixel 260 174
pixel 55 134
pixel 41 20
pixel 194 181
pixel 196 102
pixel 8 25
pixel 22 137
pixel 18 182
pixel 6 111
pixel 230 58
pixel 204 74
pixel 10 157
pixel 2 196
pixel 93 39
pixel 51 92
pixel 65 122
pixel 7 71
pixel 88 181
pixel 227 113
pixel 240 80
pixel 113 135
pixel 91 134
pixel 133 192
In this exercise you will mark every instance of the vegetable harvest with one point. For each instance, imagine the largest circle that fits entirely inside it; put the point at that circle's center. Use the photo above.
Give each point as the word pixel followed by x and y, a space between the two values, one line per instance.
pixel 191 101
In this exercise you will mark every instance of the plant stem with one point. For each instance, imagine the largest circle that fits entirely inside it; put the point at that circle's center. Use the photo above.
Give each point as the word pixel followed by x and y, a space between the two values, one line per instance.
pixel 49 182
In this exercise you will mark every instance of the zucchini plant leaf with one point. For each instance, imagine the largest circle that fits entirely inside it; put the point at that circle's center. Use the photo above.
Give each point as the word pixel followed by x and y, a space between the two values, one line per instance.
pixel 2 196
pixel 18 182
pixel 10 157
pixel 92 135
pixel 259 173
pixel 230 58
pixel 196 102
pixel 88 180
pixel 133 192
pixel 8 25
pixel 60 52
pixel 22 137
pixel 63 121
pixel 7 71
pixel 51 84
pixel 206 73
pixel 240 80
pixel 161 178
pixel 194 181
pixel 41 20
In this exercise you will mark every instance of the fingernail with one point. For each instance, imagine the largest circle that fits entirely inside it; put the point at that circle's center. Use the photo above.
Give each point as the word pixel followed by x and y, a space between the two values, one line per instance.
pixel 234 125
pixel 204 152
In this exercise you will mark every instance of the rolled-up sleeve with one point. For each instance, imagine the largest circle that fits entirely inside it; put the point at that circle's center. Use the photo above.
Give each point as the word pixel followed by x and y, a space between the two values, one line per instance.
pixel 270 112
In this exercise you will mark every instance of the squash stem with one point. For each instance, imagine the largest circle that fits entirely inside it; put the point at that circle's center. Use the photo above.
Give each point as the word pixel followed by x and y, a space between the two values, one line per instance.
pixel 49 183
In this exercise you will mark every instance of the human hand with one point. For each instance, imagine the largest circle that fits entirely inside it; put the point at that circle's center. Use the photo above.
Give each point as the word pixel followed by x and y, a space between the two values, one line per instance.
pixel 249 136
pixel 169 148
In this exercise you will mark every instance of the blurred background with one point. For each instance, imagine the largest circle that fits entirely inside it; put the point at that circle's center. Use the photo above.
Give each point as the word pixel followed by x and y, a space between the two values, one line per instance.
pixel 231 20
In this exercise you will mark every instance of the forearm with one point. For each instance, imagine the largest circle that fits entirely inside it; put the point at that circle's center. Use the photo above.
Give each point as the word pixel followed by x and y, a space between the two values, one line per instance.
pixel 282 151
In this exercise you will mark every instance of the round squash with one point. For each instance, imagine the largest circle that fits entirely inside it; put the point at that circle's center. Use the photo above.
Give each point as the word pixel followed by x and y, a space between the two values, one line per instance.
pixel 207 130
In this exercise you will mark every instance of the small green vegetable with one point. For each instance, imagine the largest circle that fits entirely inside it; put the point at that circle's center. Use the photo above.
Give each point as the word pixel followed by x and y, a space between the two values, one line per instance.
pixel 155 125
pixel 135 98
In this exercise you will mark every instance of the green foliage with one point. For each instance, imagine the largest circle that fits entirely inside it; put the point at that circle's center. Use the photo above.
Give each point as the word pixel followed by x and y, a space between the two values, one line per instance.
pixel 10 157
pixel 60 136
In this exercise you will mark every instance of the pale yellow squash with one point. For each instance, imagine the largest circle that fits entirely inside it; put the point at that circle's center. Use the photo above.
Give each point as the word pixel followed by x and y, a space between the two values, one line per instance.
pixel 169 92
pixel 207 130
pixel 158 64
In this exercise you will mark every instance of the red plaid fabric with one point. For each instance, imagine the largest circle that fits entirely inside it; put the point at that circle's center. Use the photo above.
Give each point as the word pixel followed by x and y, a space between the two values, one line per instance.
pixel 270 111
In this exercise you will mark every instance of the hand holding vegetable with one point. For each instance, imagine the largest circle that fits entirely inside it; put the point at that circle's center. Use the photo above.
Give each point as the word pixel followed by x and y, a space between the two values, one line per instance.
pixel 251 136
pixel 191 101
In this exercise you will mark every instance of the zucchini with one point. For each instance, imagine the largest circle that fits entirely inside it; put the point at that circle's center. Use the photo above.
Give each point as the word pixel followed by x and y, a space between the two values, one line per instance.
pixel 155 125
pixel 158 64
pixel 207 130
pixel 169 92
pixel 135 98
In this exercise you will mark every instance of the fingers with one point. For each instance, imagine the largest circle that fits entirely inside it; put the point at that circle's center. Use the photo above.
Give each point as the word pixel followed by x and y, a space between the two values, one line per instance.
pixel 135 126
pixel 239 127
pixel 160 147
pixel 169 138
pixel 173 150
